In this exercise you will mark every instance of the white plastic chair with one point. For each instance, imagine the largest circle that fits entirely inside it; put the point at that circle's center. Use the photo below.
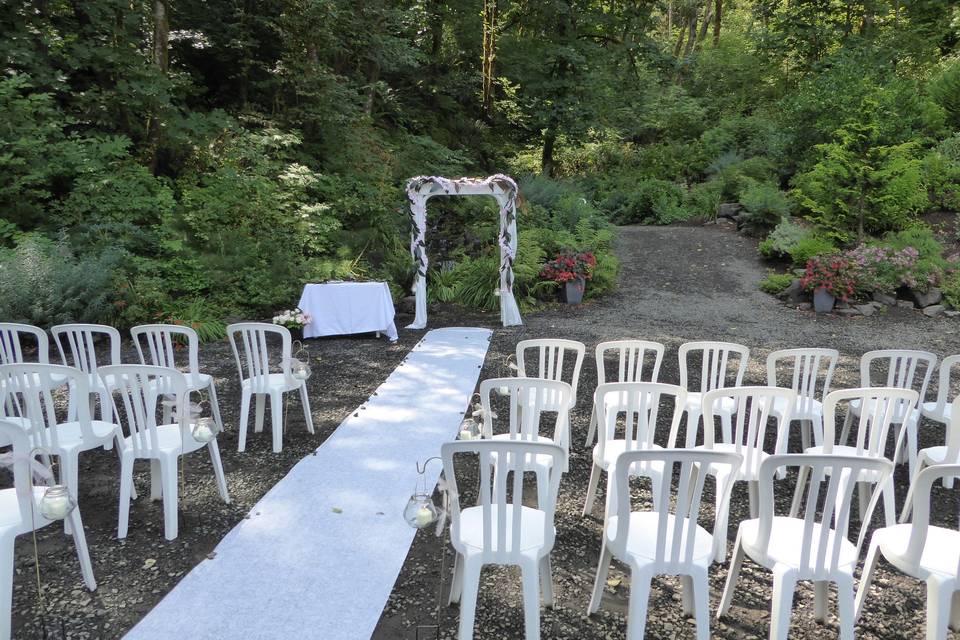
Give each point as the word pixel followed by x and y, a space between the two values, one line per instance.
pixel 811 371
pixel 20 513
pixel 934 456
pixel 12 336
pixel 751 407
pixel 256 379
pixel 903 370
pixel 813 547
pixel 160 341
pixel 550 356
pixel 716 372
pixel 940 410
pixel 500 530
pixel 666 539
pixel 77 345
pixel 31 387
pixel 140 388
pixel 873 427
pixel 529 399
pixel 637 361
pixel 924 552
pixel 637 406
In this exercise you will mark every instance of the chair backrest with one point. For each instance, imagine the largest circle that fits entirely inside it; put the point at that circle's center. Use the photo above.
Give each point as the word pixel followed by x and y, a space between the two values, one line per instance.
pixel 255 363
pixel 825 506
pixel 637 360
pixel 752 406
pixel 880 407
pixel 30 388
pixel 22 474
pixel 11 342
pixel 77 344
pixel 636 405
pixel 502 514
pixel 811 371
pixel 905 369
pixel 140 389
pixel 675 538
pixel 953 432
pixel 716 364
pixel 919 494
pixel 157 345
pixel 943 384
pixel 550 356
pixel 529 399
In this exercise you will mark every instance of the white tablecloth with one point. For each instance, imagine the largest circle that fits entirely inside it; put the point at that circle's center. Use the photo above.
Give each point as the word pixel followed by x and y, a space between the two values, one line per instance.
pixel 339 308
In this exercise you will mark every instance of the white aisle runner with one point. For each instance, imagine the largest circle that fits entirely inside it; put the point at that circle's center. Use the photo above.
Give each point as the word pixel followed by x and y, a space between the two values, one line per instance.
pixel 298 569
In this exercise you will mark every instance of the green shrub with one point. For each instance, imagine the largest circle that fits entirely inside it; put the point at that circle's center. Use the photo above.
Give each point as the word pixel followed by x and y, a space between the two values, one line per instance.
pixel 199 315
pixel 43 283
pixel 774 283
pixel 944 88
pixel 950 286
pixel 930 264
pixel 764 206
pixel 941 174
pixel 649 200
pixel 810 247
pixel 786 235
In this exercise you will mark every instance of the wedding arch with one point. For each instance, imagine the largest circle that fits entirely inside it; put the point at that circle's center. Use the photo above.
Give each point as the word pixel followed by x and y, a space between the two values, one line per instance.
pixel 500 187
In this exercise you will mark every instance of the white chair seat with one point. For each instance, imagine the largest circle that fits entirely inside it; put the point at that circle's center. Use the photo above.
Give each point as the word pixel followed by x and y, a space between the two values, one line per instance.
pixel 69 435
pixel 941 553
pixel 855 410
pixel 929 410
pixel 531 528
pixel 614 448
pixel 10 510
pixel 274 381
pixel 198 381
pixel 788 533
pixel 642 538
pixel 845 450
pixel 169 442
pixel 724 405
pixel 803 409
pixel 937 455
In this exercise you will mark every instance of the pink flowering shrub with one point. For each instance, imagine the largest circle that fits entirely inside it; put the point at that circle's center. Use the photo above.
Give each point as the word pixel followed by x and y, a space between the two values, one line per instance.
pixel 569 266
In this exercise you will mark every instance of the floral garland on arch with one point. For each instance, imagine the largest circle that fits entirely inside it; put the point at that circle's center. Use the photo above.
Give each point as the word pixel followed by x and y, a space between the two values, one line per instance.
pixel 499 186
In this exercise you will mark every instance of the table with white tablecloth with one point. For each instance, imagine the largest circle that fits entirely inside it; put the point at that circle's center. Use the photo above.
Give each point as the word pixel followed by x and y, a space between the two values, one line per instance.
pixel 341 308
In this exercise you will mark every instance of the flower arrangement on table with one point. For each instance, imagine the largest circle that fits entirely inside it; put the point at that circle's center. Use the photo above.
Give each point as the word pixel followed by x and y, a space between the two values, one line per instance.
pixel 835 273
pixel 569 266
pixel 292 319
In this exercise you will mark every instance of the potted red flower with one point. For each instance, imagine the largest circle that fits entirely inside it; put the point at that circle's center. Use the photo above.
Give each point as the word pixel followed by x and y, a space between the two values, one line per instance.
pixel 571 269
pixel 829 277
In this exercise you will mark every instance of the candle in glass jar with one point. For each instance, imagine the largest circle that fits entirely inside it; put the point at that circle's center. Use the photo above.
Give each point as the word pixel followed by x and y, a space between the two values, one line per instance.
pixel 424 516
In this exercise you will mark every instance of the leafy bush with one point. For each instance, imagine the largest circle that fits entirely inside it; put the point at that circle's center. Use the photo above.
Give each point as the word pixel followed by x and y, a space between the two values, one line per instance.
pixel 798 242
pixel 950 286
pixel 941 174
pixel 810 247
pixel 650 200
pixel 764 206
pixel 43 283
pixel 945 89
pixel 930 263
pixel 774 283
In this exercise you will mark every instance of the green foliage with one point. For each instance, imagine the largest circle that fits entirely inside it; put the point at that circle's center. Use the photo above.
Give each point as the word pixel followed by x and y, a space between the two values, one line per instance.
pixel 199 315
pixel 43 283
pixel 945 89
pixel 774 283
pixel 764 206
pixel 950 286
pixel 941 174
pixel 809 247
pixel 650 200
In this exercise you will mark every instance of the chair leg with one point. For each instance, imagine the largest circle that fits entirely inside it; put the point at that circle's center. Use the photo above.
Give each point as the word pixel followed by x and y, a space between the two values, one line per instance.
pixel 543 487
pixel 118 447
pixel 955 610
pixel 726 426
pixel 821 590
pixel 468 596
pixel 305 401
pixel 530 571
pixel 80 542
pixel 845 607
pixel 722 512
pixel 592 431
pixel 866 577
pixel 939 599
pixel 126 484
pixel 806 428
pixel 700 583
pixel 784 584
pixel 261 399
pixel 686 595
pixel 911 426
pixel 693 419
pixel 6 585
pixel 889 506
pixel 106 407
pixel 863 498
pixel 592 488
pixel 802 474
pixel 276 420
pixel 70 472
pixel 156 480
pixel 215 404
pixel 168 474
pixel 753 493
pixel 639 599
pixel 244 418
pixel 845 431
pixel 218 470
pixel 546 581
pixel 732 574
pixel 456 582
pixel 603 569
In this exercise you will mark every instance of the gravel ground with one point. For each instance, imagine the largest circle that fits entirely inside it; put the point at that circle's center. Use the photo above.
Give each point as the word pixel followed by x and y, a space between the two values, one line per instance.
pixel 677 284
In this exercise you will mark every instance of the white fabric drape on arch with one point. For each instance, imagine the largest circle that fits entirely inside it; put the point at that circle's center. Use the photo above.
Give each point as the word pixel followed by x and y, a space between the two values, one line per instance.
pixel 500 187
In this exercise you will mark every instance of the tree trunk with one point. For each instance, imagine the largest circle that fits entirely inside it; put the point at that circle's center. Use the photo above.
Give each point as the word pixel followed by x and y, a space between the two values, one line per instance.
pixel 161 35
pixel 546 161
pixel 490 15
pixel 677 48
pixel 373 76
pixel 436 31
pixel 705 25
pixel 717 13
pixel 692 35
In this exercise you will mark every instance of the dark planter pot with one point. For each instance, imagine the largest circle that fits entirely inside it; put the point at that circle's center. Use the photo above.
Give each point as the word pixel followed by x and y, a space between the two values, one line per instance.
pixel 296 334
pixel 823 300
pixel 573 291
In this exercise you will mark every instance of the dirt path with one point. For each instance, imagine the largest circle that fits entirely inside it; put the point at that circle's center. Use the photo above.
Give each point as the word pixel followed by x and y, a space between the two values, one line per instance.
pixel 677 284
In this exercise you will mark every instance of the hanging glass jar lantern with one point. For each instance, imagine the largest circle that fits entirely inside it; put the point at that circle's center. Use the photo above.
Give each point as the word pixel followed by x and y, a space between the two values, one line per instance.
pixel 56 503
pixel 470 430
pixel 204 429
pixel 300 369
pixel 420 511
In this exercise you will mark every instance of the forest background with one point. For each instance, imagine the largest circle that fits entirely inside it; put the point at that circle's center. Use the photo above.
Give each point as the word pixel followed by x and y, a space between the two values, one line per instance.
pixel 197 160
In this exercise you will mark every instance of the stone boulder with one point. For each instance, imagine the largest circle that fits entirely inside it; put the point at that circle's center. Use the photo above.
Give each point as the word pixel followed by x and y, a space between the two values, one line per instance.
pixel 729 210
pixel 884 298
pixel 934 310
pixel 905 304
pixel 793 294
pixel 929 298
pixel 407 305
